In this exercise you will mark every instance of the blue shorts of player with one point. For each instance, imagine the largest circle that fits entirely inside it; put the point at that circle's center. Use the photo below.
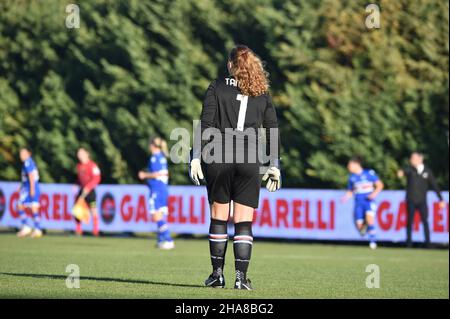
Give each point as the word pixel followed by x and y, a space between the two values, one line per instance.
pixel 27 200
pixel 363 208
pixel 158 202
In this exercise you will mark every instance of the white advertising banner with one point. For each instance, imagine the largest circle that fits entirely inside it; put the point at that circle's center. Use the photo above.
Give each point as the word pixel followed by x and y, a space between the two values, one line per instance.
pixel 288 213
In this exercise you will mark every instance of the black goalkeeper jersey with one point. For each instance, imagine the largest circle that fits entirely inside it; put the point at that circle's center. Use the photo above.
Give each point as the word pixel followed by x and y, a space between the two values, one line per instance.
pixel 225 108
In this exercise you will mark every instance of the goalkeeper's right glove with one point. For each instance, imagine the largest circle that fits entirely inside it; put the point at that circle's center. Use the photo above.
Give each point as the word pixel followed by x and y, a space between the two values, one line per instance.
pixel 273 178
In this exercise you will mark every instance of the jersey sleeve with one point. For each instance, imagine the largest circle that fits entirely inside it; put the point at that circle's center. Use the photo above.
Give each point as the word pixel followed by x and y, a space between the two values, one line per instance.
pixel 78 174
pixel 270 124
pixel 373 177
pixel 150 165
pixel 209 107
pixel 350 184
pixel 29 166
pixel 207 118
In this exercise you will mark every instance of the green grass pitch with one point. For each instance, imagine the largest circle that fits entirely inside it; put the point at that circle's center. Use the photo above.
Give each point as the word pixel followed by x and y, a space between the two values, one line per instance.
pixel 133 268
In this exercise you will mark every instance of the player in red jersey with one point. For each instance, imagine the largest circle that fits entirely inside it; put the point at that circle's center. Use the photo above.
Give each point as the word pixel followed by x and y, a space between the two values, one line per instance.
pixel 89 177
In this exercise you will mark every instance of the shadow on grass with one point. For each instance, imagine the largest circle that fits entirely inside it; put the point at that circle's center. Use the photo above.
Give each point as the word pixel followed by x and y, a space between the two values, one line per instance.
pixel 105 279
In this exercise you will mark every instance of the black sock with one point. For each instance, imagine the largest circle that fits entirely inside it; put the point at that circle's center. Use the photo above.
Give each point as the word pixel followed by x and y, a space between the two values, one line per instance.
pixel 218 241
pixel 243 243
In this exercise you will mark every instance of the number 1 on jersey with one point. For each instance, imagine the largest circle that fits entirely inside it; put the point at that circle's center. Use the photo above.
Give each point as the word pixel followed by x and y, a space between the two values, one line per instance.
pixel 242 111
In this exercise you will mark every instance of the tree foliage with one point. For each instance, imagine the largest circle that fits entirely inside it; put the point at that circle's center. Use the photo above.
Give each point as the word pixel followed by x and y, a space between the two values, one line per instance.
pixel 136 69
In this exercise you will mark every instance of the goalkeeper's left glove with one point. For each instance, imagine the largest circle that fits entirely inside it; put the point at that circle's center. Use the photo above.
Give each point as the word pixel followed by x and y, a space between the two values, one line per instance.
pixel 195 169
pixel 273 178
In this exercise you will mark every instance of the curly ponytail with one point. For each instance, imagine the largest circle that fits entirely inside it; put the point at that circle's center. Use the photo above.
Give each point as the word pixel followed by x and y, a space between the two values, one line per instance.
pixel 249 71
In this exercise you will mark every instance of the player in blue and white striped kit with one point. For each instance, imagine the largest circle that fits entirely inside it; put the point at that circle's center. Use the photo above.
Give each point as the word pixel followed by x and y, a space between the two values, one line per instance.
pixel 364 185
pixel 29 196
pixel 157 177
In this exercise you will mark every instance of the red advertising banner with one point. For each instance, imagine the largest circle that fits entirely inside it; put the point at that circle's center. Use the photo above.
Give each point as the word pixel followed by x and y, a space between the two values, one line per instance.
pixel 288 213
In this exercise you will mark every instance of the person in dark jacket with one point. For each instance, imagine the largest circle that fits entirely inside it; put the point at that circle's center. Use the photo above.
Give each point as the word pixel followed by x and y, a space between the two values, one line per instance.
pixel 420 179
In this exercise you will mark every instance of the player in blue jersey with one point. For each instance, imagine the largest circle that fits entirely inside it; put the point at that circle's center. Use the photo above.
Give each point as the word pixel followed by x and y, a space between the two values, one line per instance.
pixel 157 177
pixel 364 185
pixel 29 196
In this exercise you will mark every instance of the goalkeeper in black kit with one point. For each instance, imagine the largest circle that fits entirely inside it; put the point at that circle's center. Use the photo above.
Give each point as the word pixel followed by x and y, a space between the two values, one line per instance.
pixel 237 111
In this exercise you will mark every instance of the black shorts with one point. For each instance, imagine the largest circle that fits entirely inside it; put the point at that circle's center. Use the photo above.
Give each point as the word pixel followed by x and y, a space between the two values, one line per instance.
pixel 238 182
pixel 91 198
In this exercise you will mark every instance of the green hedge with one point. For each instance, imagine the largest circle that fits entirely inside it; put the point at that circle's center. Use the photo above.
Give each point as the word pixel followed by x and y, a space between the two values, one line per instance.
pixel 138 68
